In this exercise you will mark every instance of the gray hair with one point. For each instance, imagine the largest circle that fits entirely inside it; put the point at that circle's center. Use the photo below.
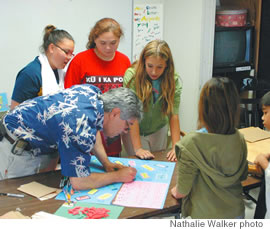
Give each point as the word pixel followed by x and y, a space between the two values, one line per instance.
pixel 124 99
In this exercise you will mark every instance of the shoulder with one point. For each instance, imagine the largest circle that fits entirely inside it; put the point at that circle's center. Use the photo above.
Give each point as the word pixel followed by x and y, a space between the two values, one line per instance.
pixel 129 74
pixel 122 58
pixel 82 55
pixel 32 66
pixel 240 135
pixel 130 71
pixel 190 138
pixel 121 55
pixel 31 70
pixel 178 80
pixel 88 88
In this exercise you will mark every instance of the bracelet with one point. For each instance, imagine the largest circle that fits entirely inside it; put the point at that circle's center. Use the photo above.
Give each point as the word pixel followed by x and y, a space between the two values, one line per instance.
pixel 137 150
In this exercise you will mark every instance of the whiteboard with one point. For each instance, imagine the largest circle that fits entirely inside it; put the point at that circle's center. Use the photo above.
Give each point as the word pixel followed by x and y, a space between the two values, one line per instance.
pixel 22 23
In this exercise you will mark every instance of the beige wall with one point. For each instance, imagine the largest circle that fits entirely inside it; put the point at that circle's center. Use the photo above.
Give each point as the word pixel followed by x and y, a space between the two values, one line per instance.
pixel 189 30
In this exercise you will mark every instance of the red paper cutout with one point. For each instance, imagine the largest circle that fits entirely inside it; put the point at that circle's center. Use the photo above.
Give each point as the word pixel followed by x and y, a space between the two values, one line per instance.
pixel 90 213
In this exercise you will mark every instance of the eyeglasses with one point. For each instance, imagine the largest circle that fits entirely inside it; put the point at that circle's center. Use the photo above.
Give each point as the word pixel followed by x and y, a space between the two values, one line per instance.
pixel 128 125
pixel 65 51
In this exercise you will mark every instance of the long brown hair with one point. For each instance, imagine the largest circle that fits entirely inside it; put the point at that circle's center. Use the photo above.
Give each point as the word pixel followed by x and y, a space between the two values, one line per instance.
pixel 102 26
pixel 219 106
pixel 143 83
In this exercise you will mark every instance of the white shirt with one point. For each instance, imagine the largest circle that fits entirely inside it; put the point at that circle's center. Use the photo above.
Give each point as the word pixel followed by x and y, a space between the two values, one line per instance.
pixel 267 191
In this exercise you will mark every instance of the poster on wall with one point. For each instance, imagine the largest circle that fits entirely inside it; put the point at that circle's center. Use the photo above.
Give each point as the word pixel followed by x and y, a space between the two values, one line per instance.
pixel 147 26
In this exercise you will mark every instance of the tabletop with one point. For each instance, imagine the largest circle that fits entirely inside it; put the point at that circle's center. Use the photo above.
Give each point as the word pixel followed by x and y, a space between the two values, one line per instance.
pixel 257 147
pixel 30 205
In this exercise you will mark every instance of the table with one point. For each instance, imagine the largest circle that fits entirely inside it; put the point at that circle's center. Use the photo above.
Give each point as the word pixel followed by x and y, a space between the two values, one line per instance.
pixel 255 148
pixel 30 205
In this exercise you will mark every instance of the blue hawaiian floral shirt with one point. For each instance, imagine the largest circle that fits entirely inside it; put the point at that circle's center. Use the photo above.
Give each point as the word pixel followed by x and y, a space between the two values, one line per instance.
pixel 66 121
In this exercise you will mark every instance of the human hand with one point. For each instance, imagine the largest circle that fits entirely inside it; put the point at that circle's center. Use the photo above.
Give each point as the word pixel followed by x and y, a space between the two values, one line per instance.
pixel 262 160
pixel 127 174
pixel 176 194
pixel 144 154
pixel 171 156
pixel 110 167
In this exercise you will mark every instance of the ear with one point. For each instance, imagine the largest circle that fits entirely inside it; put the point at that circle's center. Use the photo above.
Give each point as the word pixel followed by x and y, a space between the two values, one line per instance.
pixel 115 112
pixel 51 48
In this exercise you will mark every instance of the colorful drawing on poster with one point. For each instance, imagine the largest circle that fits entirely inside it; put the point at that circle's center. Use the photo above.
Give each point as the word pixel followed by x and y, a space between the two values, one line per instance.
pixel 157 172
pixel 3 102
pixel 139 194
pixel 77 210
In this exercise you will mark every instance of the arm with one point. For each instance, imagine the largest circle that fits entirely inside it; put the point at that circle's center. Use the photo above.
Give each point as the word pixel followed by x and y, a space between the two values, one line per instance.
pixel 115 172
pixel 174 119
pixel 176 194
pixel 134 129
pixel 97 180
pixel 136 142
pixel 262 160
pixel 175 135
pixel 101 155
pixel 27 86
pixel 187 171
pixel 13 104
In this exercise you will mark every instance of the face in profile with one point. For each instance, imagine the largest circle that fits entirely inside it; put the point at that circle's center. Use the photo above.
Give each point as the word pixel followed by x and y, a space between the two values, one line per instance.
pixel 62 52
pixel 115 125
pixel 106 45
pixel 266 116
pixel 155 66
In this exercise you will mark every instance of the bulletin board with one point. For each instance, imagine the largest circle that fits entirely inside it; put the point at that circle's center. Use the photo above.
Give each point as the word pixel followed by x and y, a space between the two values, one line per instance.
pixel 147 26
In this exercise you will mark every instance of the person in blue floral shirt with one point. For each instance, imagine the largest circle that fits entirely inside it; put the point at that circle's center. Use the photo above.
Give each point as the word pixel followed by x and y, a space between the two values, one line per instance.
pixel 68 122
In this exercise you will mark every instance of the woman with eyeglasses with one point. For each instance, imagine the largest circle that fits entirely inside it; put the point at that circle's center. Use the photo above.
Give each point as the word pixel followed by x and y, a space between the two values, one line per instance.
pixel 45 74
pixel 101 65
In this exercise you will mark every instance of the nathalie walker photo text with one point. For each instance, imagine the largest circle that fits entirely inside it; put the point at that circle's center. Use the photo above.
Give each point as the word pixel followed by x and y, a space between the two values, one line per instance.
pixel 216 223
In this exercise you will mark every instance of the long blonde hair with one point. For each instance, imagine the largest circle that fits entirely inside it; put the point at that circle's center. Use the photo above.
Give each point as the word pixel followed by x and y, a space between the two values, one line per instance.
pixel 143 83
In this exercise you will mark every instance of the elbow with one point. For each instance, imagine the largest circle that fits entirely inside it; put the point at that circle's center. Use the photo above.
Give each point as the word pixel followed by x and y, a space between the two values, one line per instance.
pixel 75 183
pixel 179 196
pixel 176 194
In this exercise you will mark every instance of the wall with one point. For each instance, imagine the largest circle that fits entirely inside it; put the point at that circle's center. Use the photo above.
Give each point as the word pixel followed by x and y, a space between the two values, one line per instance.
pixel 189 30
pixel 22 24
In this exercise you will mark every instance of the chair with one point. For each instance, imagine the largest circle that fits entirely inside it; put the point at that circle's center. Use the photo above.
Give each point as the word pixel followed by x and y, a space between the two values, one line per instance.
pixel 250 111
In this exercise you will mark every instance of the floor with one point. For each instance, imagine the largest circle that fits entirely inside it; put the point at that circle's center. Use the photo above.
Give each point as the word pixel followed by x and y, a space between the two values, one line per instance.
pixel 250 205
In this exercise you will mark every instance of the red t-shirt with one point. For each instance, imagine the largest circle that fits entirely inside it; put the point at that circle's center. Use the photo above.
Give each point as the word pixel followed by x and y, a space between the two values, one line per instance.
pixel 87 67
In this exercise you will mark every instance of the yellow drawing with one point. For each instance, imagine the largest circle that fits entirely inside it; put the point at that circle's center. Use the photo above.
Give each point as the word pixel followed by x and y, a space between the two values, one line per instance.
pixel 147 167
pixel 118 162
pixel 105 196
pixel 144 175
pixel 92 191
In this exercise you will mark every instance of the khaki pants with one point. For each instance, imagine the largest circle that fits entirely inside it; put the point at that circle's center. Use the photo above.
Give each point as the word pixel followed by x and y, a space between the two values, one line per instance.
pixel 26 164
pixel 154 142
